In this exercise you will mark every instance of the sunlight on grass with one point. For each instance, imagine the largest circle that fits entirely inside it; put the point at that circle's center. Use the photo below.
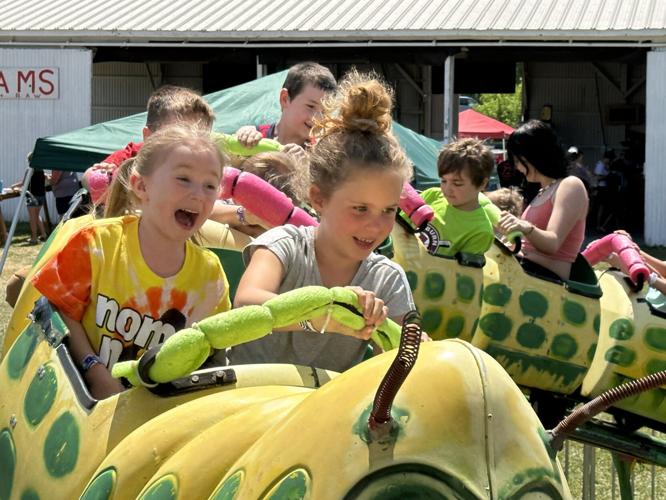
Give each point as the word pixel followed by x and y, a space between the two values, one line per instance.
pixel 21 254
pixel 605 481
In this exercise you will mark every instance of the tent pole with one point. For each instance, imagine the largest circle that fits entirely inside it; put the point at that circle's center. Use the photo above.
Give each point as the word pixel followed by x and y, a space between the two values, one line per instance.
pixel 449 105
pixel 427 100
pixel 26 180
pixel 261 68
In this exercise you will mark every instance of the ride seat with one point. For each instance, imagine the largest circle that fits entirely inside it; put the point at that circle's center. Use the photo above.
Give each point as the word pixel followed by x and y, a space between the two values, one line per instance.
pixel 232 263
pixel 582 279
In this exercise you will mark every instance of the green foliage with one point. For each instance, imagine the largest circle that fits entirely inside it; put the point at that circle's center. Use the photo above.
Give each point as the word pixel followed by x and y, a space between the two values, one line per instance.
pixel 506 108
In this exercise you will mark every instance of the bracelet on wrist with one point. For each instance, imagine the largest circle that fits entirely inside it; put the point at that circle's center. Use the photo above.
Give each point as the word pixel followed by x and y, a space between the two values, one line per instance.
pixel 306 326
pixel 240 213
pixel 89 361
pixel 530 230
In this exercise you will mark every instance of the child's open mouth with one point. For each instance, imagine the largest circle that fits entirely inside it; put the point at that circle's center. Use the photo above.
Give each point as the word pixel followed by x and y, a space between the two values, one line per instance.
pixel 363 243
pixel 186 218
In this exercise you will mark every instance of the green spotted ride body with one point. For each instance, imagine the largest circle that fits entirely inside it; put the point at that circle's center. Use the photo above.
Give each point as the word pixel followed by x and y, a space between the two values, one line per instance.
pixel 589 334
pixel 461 430
pixel 272 433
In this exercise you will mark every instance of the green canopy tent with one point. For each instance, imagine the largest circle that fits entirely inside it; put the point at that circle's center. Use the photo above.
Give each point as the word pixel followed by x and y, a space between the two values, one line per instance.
pixel 254 102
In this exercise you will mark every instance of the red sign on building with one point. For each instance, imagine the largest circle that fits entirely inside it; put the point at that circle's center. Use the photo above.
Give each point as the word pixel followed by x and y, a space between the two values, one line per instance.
pixel 29 83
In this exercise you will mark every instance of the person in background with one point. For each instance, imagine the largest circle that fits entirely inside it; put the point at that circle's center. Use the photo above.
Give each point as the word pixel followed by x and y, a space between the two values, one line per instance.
pixel 577 168
pixel 36 200
pixel 3 230
pixel 553 224
pixel 64 185
pixel 508 200
pixel 167 105
pixel 304 88
pixel 602 198
pixel 286 172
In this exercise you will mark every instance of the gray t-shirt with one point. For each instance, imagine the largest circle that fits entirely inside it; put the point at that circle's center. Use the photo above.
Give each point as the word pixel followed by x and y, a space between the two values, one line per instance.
pixel 295 248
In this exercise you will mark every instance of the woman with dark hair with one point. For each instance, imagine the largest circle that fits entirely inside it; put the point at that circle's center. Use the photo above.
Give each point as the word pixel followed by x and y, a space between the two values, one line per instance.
pixel 553 224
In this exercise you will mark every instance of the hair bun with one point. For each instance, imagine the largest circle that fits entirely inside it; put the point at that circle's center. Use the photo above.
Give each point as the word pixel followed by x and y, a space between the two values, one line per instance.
pixel 363 103
pixel 363 124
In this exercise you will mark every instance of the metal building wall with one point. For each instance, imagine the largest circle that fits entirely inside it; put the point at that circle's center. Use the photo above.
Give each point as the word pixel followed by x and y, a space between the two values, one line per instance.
pixel 655 149
pixel 121 88
pixel 23 120
pixel 571 88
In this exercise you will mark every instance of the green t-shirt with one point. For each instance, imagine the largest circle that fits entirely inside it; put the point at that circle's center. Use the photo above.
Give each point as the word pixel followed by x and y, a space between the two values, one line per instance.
pixel 453 230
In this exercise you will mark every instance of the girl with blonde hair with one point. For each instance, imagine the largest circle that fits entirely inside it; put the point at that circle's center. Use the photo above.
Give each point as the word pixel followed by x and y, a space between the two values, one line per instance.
pixel 125 284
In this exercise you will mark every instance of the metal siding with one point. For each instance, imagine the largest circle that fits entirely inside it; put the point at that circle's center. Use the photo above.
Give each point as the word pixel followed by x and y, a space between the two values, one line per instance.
pixel 494 13
pixel 278 15
pixel 546 14
pixel 267 20
pixel 570 88
pixel 122 89
pixel 324 12
pixel 353 10
pixel 655 150
pixel 658 17
pixel 443 12
pixel 417 11
pixel 437 120
pixel 26 120
pixel 590 15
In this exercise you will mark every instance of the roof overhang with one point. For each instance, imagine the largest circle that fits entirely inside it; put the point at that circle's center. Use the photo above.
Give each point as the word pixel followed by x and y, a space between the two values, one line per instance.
pixel 300 39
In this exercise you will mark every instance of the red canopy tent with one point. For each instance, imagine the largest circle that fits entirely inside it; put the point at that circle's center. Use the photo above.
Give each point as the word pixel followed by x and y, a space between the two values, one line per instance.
pixel 474 124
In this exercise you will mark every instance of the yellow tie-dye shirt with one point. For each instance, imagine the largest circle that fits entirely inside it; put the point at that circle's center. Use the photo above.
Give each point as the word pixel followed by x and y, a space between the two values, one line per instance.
pixel 100 279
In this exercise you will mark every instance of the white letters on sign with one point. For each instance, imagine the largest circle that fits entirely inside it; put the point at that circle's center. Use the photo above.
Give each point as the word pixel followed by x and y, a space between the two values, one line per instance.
pixel 29 83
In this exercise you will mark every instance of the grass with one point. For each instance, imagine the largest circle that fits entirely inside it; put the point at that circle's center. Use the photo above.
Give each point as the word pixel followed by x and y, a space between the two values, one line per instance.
pixel 22 254
pixel 606 485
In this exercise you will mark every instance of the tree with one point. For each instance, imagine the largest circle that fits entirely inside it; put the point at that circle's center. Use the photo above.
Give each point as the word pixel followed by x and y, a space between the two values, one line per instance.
pixel 506 108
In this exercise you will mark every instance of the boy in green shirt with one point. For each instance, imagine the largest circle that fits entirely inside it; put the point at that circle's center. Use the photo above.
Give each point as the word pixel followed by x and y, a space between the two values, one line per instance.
pixel 464 217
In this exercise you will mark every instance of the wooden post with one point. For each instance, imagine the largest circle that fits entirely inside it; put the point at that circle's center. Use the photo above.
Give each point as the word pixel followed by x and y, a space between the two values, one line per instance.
pixel 623 466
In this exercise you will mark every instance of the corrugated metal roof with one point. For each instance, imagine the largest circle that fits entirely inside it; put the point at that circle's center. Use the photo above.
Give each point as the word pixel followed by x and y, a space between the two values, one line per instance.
pixel 332 20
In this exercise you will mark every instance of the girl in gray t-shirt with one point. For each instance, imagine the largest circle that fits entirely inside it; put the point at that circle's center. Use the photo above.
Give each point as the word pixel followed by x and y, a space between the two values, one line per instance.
pixel 357 171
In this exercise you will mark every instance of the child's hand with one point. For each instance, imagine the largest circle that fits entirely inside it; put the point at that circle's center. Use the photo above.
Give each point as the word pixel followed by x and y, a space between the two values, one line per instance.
pixel 509 223
pixel 374 314
pixel 374 310
pixel 296 151
pixel 623 233
pixel 248 136
pixel 614 260
pixel 104 167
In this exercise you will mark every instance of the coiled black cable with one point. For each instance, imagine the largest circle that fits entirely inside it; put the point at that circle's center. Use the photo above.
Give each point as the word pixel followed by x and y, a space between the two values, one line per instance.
pixel 408 351
pixel 603 401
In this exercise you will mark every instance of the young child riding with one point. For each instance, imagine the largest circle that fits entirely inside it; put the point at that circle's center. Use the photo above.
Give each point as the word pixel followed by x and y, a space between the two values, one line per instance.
pixel 168 105
pixel 301 96
pixel 461 222
pixel 357 170
pixel 127 283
